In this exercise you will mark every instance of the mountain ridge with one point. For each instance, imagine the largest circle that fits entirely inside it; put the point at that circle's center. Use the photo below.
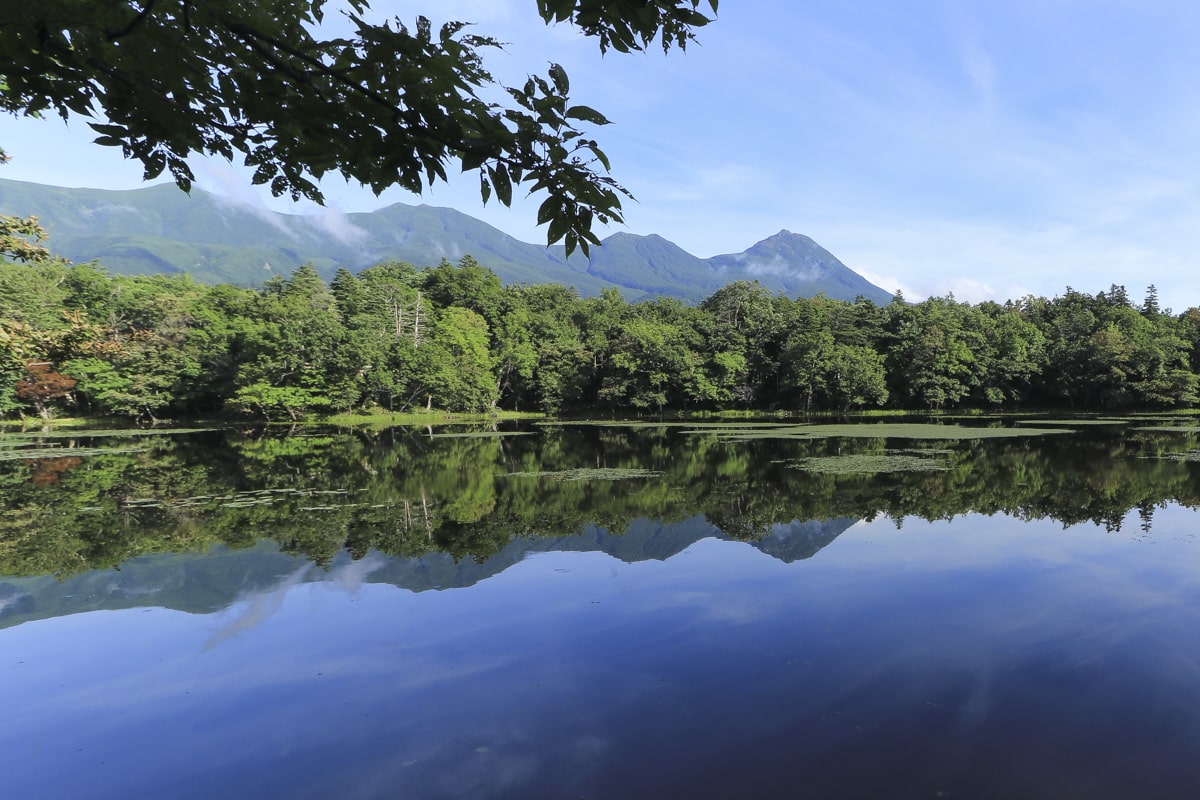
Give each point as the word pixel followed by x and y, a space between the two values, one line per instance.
pixel 158 229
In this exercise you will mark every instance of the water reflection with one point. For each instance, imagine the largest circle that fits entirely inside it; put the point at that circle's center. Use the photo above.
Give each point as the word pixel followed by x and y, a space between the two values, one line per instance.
pixel 977 657
pixel 342 616
pixel 406 494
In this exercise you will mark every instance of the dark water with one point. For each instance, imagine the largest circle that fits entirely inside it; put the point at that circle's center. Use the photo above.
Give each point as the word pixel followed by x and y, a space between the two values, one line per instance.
pixel 397 616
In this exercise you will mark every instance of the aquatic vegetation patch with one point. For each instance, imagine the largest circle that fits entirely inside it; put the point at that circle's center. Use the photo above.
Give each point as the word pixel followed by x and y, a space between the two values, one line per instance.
pixel 1077 422
pixel 247 499
pixel 1189 456
pixel 98 433
pixel 889 461
pixel 479 434
pixel 41 453
pixel 589 474
pixel 689 424
pixel 384 419
pixel 884 430
pixel 1170 428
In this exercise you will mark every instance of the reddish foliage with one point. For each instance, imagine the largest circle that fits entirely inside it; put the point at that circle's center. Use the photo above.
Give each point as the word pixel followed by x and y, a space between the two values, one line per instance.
pixel 47 471
pixel 42 385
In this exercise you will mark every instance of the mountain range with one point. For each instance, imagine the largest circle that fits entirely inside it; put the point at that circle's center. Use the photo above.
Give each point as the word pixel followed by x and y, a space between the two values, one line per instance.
pixel 159 229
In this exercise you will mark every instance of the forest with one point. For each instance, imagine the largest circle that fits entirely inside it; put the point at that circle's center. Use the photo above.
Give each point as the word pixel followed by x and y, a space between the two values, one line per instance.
pixel 75 339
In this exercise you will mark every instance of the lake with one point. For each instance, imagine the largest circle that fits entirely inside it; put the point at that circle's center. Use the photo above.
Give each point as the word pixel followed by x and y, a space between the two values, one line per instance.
pixel 984 607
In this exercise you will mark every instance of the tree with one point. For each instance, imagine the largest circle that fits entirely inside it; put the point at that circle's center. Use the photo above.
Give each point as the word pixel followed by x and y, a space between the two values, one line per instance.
pixel 21 237
pixel 467 285
pixel 819 368
pixel 1150 306
pixel 1017 350
pixel 21 240
pixel 296 357
pixel 42 386
pixel 933 360
pixel 386 318
pixel 653 362
pixel 747 328
pixel 514 347
pixel 455 368
pixel 565 365
pixel 385 105
pixel 856 377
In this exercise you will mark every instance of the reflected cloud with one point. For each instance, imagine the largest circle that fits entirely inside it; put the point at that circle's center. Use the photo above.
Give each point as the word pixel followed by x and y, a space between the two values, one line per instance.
pixel 351 575
pixel 12 601
pixel 258 607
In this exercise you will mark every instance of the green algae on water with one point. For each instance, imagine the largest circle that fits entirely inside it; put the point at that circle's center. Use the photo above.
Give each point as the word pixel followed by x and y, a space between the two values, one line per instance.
pixel 43 453
pixel 97 433
pixel 479 434
pixel 1190 456
pixel 673 423
pixel 885 430
pixel 890 461
pixel 589 474
pixel 1076 422
pixel 1170 428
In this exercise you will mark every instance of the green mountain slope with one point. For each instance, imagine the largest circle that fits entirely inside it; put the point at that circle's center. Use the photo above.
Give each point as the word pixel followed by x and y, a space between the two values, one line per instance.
pixel 159 229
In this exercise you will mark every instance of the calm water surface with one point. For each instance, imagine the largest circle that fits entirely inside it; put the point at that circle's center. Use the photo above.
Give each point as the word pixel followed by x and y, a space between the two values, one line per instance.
pixel 985 655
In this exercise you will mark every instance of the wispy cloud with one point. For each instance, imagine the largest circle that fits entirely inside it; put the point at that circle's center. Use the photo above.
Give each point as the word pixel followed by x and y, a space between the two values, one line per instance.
pixel 258 607
pixel 228 185
pixel 338 226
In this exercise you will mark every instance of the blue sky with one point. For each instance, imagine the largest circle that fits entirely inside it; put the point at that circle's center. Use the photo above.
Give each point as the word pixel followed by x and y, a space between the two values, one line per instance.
pixel 982 148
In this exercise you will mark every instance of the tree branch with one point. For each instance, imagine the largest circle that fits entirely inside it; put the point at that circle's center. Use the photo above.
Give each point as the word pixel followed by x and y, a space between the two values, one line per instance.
pixel 113 36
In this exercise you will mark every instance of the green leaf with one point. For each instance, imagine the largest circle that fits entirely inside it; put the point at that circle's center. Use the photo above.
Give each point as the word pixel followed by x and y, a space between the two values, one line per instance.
pixel 600 156
pixel 501 183
pixel 587 115
pixel 560 226
pixel 559 76
pixel 549 208
pixel 473 159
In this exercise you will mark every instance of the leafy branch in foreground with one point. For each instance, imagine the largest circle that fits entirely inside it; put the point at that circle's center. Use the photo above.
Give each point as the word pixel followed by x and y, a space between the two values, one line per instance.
pixel 387 105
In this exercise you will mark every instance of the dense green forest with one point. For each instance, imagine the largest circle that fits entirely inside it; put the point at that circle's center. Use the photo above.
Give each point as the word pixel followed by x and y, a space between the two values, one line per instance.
pixel 76 339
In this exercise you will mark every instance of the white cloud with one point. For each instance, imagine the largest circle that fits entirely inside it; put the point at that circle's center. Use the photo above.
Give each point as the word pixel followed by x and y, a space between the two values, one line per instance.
pixel 258 607
pixel 108 209
pixel 890 283
pixel 337 225
pixel 228 185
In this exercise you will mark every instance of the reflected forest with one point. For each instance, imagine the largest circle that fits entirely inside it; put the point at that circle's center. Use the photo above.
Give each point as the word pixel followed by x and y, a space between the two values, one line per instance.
pixel 78 502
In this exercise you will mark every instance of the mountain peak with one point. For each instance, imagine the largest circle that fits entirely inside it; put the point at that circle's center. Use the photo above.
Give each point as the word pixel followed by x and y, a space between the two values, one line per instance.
pixel 794 264
pixel 785 235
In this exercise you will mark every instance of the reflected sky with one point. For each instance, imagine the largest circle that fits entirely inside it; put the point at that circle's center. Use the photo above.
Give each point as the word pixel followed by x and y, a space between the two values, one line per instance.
pixel 979 657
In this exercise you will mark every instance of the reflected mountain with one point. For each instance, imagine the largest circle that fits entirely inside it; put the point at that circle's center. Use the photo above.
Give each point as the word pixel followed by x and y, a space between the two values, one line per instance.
pixel 202 583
